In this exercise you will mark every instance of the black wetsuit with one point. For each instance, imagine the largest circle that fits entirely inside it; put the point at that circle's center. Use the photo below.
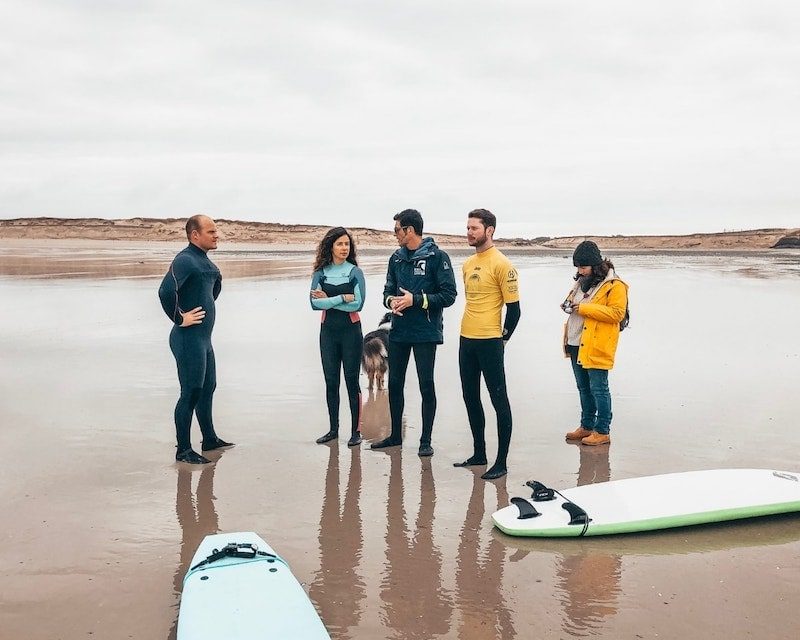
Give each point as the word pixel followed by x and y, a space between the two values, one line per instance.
pixel 340 345
pixel 486 357
pixel 192 281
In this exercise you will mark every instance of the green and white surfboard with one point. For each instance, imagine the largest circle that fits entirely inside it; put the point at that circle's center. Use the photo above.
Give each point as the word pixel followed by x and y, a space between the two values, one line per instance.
pixel 651 502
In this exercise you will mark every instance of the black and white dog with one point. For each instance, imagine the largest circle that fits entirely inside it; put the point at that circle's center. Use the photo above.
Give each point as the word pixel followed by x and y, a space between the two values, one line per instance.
pixel 375 355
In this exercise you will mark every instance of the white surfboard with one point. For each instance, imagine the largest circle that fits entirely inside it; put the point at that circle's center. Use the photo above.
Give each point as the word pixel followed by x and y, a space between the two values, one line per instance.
pixel 238 588
pixel 652 502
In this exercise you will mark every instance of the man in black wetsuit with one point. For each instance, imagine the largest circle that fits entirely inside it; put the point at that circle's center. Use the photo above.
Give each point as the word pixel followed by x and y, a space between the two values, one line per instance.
pixel 187 295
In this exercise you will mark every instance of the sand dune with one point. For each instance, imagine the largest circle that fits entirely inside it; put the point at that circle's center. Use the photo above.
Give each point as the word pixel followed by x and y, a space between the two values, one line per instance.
pixel 272 233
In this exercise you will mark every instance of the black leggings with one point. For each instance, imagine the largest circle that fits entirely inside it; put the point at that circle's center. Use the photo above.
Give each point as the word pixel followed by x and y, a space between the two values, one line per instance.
pixel 424 359
pixel 340 348
pixel 197 374
pixel 476 357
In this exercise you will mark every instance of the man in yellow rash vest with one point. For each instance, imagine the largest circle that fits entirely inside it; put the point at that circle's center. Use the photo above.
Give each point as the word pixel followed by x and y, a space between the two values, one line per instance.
pixel 490 282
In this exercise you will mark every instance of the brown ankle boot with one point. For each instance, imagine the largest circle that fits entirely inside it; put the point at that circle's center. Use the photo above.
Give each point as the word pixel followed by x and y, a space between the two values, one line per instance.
pixel 597 438
pixel 579 433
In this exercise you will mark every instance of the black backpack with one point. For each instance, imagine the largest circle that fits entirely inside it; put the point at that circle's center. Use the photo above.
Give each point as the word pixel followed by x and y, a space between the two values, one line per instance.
pixel 623 324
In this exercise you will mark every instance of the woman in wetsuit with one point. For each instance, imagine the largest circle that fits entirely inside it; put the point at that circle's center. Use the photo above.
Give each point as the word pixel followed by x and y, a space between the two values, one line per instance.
pixel 337 289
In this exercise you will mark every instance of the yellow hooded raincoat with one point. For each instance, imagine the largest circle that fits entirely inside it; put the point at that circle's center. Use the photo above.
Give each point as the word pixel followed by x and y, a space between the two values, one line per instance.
pixel 601 318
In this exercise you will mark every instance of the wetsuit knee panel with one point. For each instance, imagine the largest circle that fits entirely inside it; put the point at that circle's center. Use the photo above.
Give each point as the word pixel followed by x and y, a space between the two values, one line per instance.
pixel 191 395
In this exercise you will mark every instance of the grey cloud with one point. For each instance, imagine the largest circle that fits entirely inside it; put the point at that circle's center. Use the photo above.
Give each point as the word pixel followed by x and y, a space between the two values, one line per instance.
pixel 627 112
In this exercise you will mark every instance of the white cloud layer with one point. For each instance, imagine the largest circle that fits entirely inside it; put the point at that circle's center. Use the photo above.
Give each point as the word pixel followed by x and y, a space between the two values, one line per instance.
pixel 561 117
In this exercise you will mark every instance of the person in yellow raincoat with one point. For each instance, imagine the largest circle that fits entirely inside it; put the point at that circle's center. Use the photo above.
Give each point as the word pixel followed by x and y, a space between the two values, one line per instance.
pixel 596 305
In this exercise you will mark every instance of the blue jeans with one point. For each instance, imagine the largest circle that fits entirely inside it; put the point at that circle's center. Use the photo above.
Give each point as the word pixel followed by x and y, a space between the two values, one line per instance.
pixel 594 394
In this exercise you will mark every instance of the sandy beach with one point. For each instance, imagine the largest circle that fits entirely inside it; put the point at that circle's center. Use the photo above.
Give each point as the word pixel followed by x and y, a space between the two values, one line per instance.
pixel 99 523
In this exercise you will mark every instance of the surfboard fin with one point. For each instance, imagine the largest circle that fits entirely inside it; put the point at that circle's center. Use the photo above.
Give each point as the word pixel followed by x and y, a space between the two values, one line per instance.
pixel 541 493
pixel 526 509
pixel 576 514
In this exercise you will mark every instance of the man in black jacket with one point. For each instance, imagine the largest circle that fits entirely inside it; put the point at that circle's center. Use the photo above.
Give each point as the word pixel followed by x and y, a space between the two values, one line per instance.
pixel 419 285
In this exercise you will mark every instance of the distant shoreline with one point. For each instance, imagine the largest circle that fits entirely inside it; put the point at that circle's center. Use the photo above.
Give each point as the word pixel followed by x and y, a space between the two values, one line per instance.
pixel 301 236
pixel 130 259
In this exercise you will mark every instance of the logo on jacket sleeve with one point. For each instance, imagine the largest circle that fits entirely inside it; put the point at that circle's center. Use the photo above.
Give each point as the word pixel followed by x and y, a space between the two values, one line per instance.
pixel 420 267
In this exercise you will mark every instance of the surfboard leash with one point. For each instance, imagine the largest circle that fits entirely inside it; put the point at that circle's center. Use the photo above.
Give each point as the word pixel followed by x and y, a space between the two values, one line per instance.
pixel 234 550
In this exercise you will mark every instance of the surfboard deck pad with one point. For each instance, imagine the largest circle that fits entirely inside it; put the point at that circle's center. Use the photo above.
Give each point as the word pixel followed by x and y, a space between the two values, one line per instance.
pixel 654 502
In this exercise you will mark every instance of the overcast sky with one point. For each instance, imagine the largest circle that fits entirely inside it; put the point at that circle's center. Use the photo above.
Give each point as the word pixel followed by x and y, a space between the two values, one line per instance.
pixel 561 117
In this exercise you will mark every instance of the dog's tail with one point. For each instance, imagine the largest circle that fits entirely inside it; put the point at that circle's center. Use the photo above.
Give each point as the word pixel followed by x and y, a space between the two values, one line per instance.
pixel 374 355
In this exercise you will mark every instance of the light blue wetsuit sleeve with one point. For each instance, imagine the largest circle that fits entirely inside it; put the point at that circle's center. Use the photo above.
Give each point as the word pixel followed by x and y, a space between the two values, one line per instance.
pixel 314 285
pixel 359 290
pixel 321 304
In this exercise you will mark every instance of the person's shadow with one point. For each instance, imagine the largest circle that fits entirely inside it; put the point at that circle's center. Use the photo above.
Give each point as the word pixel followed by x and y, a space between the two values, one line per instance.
pixel 479 573
pixel 197 518
pixel 415 603
pixel 588 579
pixel 336 589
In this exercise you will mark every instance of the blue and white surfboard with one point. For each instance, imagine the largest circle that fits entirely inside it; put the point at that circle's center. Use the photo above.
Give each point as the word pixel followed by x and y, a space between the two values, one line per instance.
pixel 238 588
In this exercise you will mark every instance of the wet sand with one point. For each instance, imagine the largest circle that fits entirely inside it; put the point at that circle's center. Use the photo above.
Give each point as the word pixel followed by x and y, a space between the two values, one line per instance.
pixel 99 524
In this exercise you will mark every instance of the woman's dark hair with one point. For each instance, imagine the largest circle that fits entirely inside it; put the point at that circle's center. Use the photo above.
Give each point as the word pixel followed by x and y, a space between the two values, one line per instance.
pixel 599 273
pixel 325 248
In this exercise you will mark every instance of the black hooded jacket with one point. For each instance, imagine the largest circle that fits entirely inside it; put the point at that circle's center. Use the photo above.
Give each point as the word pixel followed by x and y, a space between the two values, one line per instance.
pixel 428 274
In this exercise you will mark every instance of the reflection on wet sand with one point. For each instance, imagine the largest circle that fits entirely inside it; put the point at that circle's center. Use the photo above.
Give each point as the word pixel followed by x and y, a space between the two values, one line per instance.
pixel 337 590
pixel 588 580
pixel 375 420
pixel 594 465
pixel 479 578
pixel 415 604
pixel 197 518
pixel 144 266
pixel 151 260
